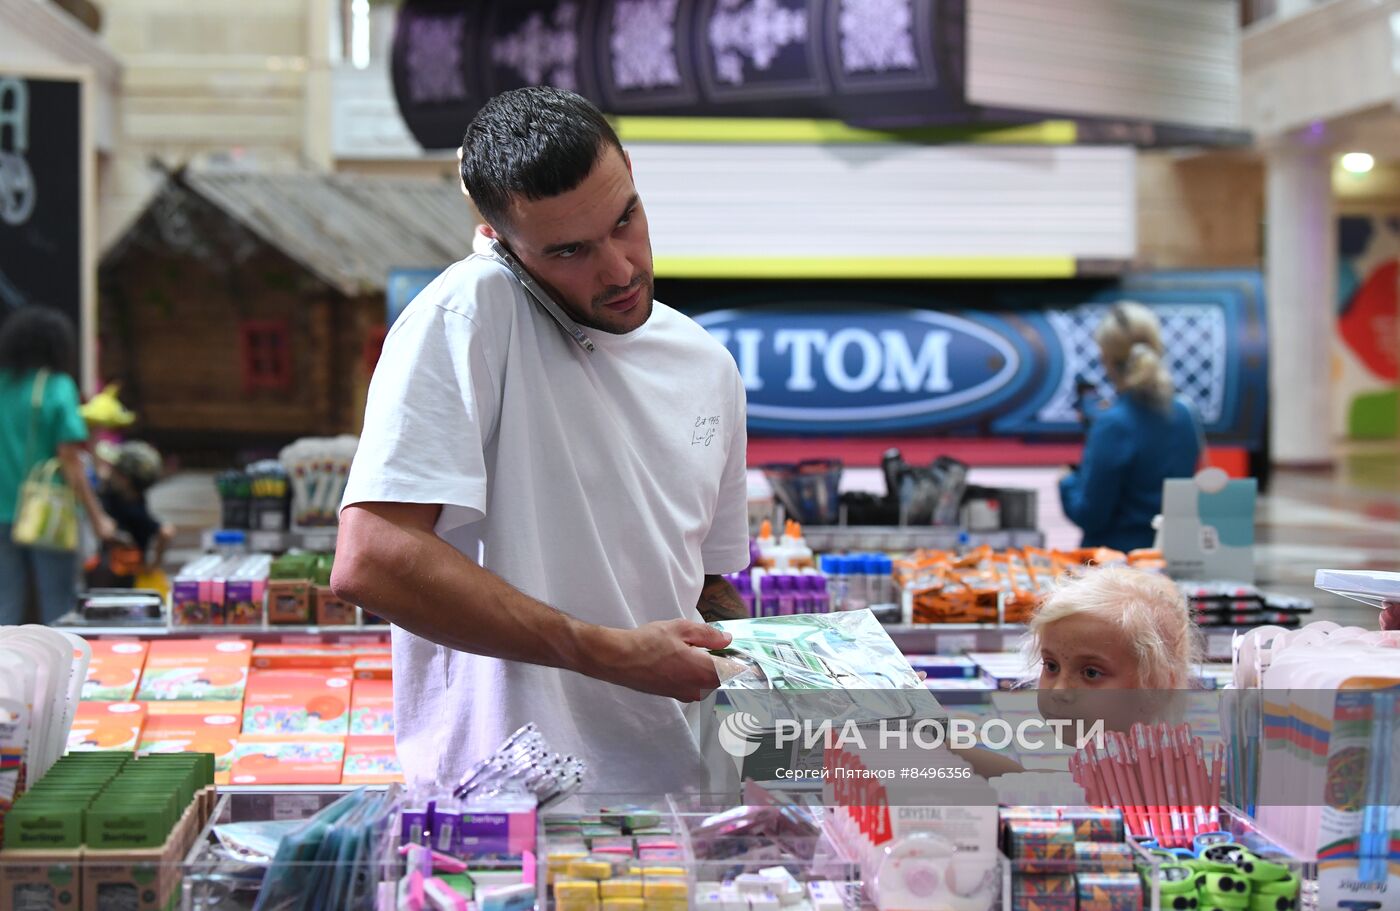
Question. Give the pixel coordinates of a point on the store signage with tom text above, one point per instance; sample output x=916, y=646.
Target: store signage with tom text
x=995, y=360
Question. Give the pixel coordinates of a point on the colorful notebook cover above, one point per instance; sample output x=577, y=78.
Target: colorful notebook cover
x=371, y=760
x=114, y=671
x=294, y=703
x=372, y=708
x=106, y=726
x=195, y=670
x=260, y=759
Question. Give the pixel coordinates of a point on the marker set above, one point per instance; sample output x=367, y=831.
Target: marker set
x=523, y=763
x=1166, y=781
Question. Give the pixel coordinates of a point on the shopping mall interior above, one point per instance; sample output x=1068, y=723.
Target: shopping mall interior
x=453, y=451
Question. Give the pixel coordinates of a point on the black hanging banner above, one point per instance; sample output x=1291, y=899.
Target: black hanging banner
x=41, y=186
x=870, y=63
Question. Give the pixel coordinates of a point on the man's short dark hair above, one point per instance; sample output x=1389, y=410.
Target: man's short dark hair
x=534, y=143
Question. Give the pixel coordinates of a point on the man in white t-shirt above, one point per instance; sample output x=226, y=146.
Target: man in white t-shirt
x=545, y=518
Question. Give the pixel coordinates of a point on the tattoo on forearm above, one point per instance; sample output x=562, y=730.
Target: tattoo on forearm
x=719, y=601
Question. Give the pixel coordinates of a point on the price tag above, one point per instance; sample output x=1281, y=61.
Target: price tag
x=266, y=541
x=294, y=806
x=1220, y=646
x=322, y=541
x=956, y=643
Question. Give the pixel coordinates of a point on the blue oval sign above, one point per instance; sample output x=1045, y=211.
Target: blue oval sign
x=866, y=369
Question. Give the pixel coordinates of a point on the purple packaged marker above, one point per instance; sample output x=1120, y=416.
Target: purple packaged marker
x=769, y=604
x=786, y=595
x=743, y=584
x=413, y=826
x=799, y=595
x=447, y=822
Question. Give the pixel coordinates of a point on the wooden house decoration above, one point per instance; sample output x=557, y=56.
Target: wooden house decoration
x=248, y=308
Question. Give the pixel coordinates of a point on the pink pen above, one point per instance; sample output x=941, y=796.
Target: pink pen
x=1185, y=763
x=1163, y=767
x=1103, y=776
x=1152, y=775
x=1140, y=761
x=1115, y=778
x=1108, y=790
x=1132, y=815
x=1171, y=761
x=1213, y=793
x=1198, y=771
x=1093, y=789
x=1130, y=760
x=1076, y=774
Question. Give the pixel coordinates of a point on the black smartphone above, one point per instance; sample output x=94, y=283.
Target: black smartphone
x=541, y=297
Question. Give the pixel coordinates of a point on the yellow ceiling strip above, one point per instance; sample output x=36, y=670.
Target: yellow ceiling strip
x=866, y=267
x=820, y=132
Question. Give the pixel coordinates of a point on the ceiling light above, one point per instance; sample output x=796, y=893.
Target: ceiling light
x=1358, y=162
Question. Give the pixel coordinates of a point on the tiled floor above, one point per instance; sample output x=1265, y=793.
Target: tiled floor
x=1348, y=518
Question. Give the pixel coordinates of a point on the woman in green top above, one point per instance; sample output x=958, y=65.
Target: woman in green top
x=34, y=339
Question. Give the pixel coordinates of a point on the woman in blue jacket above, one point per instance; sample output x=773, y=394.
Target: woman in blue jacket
x=1144, y=437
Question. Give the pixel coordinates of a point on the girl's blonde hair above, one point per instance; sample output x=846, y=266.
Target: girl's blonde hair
x=1147, y=607
x=1130, y=340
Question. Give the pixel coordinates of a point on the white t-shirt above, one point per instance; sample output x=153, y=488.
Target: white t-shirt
x=605, y=484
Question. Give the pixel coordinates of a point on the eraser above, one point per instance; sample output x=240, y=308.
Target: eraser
x=731, y=899
x=665, y=889
x=784, y=884
x=763, y=901
x=825, y=896
x=621, y=887
x=518, y=897
x=623, y=903
x=575, y=890
x=752, y=883
x=707, y=897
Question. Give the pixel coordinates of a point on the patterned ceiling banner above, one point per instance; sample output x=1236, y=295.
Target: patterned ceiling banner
x=1001, y=359
x=872, y=63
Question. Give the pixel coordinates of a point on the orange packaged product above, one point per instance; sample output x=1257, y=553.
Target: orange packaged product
x=309, y=759
x=195, y=676
x=114, y=671
x=1019, y=584
x=1038, y=558
x=956, y=602
x=1148, y=560
x=931, y=604
x=371, y=760
x=301, y=656
x=975, y=558
x=919, y=576
x=1107, y=556
x=295, y=703
x=106, y=726
x=374, y=667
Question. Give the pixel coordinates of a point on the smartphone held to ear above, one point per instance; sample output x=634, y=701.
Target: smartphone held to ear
x=541, y=297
